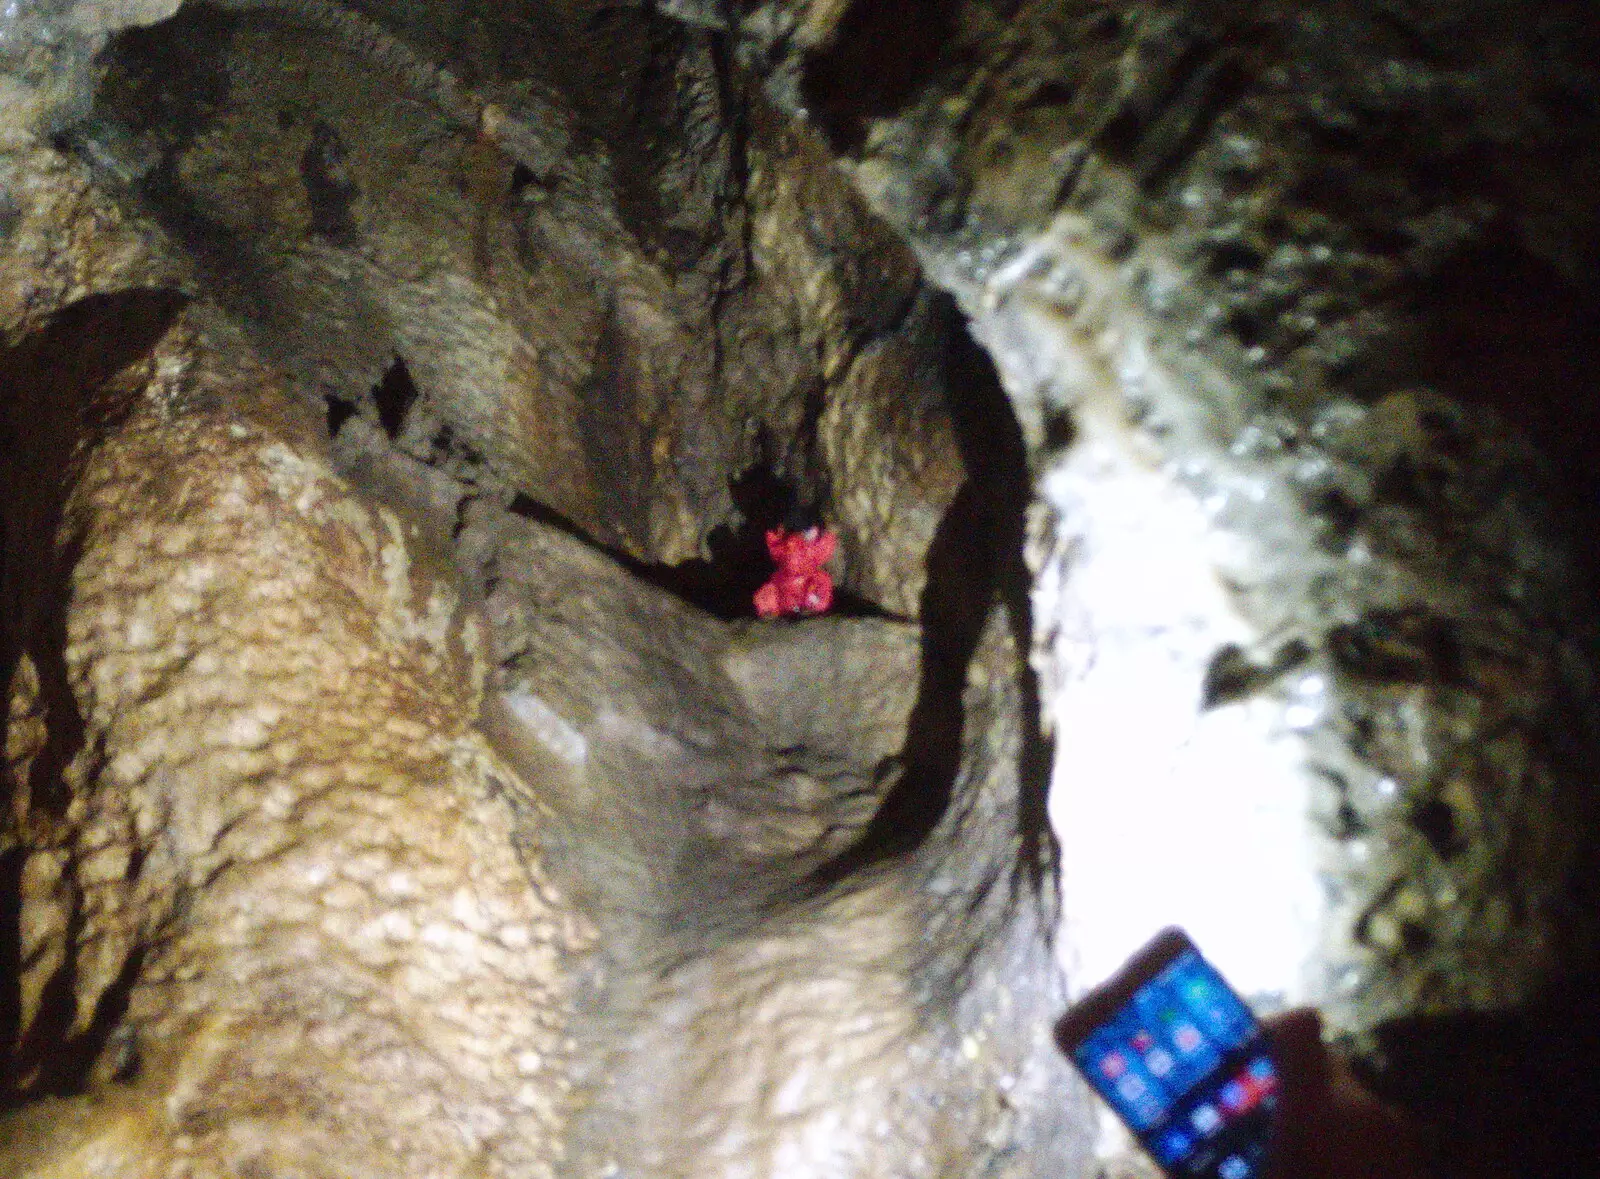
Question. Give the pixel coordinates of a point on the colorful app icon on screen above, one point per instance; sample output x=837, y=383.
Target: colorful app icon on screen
x=1205, y=1119
x=1146, y=1110
x=1243, y=1094
x=1181, y=1059
x=1234, y=1167
x=1174, y=1145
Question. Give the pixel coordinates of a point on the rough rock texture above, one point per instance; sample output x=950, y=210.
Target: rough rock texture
x=583, y=305
x=320, y=321
x=1214, y=295
x=817, y=850
x=281, y=907
x=264, y=880
x=727, y=779
x=47, y=48
x=1296, y=552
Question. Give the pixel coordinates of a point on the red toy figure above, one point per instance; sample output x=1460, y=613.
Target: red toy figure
x=801, y=585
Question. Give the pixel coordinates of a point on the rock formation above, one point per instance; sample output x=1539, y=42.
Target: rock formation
x=393, y=400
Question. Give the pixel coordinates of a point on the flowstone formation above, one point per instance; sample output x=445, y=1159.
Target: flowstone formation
x=395, y=397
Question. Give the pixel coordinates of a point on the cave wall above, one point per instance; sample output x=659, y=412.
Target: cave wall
x=395, y=398
x=472, y=386
x=1311, y=556
x=1222, y=260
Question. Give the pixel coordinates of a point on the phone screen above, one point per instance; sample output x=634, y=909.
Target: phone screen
x=1185, y=1064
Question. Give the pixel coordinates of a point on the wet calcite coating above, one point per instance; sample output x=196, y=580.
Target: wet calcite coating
x=305, y=911
x=1222, y=259
x=1294, y=323
x=1234, y=269
x=267, y=908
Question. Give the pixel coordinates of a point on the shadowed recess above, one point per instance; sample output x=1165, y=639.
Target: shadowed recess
x=974, y=561
x=59, y=379
x=878, y=58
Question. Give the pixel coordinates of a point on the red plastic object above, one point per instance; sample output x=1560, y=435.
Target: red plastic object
x=801, y=585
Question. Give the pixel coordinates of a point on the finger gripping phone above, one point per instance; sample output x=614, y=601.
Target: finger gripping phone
x=1181, y=1059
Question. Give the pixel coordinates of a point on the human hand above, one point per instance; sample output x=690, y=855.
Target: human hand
x=1329, y=1126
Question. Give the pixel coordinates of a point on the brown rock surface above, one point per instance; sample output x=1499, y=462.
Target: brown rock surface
x=280, y=907
x=393, y=397
x=264, y=868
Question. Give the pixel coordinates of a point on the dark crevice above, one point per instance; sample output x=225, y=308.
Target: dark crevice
x=1435, y=821
x=960, y=588
x=1157, y=135
x=51, y=378
x=79, y=1059
x=531, y=509
x=523, y=177
x=1221, y=257
x=1232, y=675
x=724, y=584
x=11, y=863
x=62, y=1063
x=1507, y=1093
x=974, y=563
x=47, y=790
x=394, y=396
x=60, y=380
x=1059, y=432
x=340, y=411
x=45, y=1054
x=330, y=189
x=1509, y=333
x=1399, y=646
x=172, y=74
x=49, y=1060
x=1361, y=931
x=880, y=56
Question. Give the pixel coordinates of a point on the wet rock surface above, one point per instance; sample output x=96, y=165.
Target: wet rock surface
x=394, y=397
x=1231, y=265
x=47, y=50
x=550, y=289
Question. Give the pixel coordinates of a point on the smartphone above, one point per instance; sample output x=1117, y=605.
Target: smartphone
x=1181, y=1059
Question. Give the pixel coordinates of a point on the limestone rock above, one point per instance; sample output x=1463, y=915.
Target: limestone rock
x=46, y=47
x=277, y=860
x=276, y=886
x=1311, y=604
x=391, y=375
x=608, y=326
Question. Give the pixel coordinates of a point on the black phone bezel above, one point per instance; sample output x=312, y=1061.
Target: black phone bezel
x=1103, y=1002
